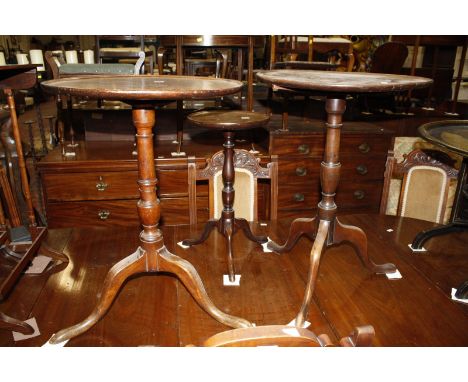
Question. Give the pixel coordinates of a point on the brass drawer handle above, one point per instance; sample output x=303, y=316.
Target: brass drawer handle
x=364, y=148
x=361, y=169
x=301, y=171
x=359, y=194
x=103, y=214
x=101, y=185
x=303, y=149
x=298, y=197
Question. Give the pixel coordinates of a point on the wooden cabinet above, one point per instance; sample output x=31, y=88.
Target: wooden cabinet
x=363, y=153
x=99, y=186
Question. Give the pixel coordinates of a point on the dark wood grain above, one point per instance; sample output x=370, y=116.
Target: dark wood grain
x=143, y=87
x=414, y=311
x=342, y=82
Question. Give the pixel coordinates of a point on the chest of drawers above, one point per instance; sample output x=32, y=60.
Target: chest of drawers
x=363, y=152
x=98, y=186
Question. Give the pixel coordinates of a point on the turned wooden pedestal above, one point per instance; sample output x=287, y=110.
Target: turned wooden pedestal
x=325, y=228
x=143, y=93
x=229, y=122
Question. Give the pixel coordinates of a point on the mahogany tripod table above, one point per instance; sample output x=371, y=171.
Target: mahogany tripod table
x=144, y=93
x=229, y=122
x=325, y=227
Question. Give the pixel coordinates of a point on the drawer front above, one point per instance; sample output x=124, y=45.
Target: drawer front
x=120, y=213
x=90, y=186
x=298, y=146
x=358, y=168
x=297, y=196
x=92, y=213
x=351, y=194
x=109, y=185
x=306, y=170
x=364, y=194
x=364, y=145
x=298, y=171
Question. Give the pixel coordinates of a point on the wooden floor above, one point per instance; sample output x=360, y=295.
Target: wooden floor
x=157, y=310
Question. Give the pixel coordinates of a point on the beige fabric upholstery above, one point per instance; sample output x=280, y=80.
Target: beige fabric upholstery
x=416, y=201
x=404, y=145
x=244, y=186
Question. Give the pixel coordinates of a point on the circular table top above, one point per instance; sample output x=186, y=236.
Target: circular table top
x=451, y=134
x=143, y=88
x=342, y=82
x=228, y=120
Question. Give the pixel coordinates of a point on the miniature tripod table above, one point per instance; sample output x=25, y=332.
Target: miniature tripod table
x=228, y=122
x=325, y=228
x=144, y=93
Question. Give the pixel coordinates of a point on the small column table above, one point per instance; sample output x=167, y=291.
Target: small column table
x=453, y=135
x=228, y=122
x=144, y=93
x=325, y=228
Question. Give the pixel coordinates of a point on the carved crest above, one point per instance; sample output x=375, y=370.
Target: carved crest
x=242, y=159
x=420, y=158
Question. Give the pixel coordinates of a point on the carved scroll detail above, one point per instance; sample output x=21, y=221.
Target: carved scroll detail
x=420, y=158
x=242, y=159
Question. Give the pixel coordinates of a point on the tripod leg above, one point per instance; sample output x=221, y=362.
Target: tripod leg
x=315, y=255
x=245, y=226
x=209, y=226
x=299, y=227
x=10, y=323
x=192, y=281
x=132, y=264
x=358, y=238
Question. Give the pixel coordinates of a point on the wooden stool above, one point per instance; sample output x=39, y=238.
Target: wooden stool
x=229, y=122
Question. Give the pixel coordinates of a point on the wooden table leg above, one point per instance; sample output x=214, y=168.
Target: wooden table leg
x=329, y=179
x=152, y=255
x=10, y=323
x=227, y=224
x=315, y=255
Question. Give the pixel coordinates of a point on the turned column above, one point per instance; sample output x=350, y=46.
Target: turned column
x=228, y=174
x=331, y=166
x=149, y=210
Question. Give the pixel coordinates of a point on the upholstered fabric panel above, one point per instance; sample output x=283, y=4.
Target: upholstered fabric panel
x=404, y=145
x=423, y=196
x=244, y=186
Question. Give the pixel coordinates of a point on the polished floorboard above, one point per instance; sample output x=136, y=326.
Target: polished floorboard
x=157, y=310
